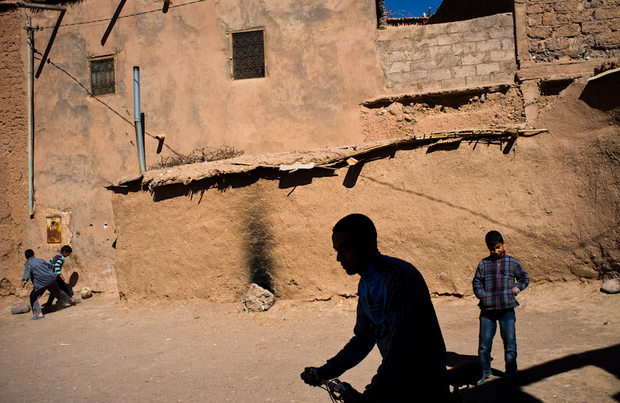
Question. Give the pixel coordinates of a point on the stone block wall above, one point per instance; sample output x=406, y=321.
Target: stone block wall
x=575, y=29
x=427, y=58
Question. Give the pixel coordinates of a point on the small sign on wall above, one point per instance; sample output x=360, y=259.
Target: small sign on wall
x=53, y=229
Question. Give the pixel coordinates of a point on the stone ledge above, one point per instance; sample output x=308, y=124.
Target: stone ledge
x=551, y=71
x=465, y=90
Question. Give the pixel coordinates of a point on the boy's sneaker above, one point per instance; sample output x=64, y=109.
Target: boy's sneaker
x=484, y=378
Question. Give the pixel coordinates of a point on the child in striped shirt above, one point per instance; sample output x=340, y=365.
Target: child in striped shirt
x=56, y=262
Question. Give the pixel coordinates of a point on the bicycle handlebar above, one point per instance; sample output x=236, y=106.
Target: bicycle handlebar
x=337, y=390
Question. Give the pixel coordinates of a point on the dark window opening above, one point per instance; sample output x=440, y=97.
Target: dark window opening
x=102, y=76
x=248, y=54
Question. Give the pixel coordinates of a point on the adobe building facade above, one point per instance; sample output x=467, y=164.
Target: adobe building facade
x=324, y=73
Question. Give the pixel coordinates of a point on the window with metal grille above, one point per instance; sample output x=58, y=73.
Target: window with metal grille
x=102, y=76
x=248, y=54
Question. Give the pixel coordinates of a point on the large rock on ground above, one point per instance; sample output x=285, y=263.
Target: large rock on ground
x=611, y=286
x=258, y=299
x=20, y=307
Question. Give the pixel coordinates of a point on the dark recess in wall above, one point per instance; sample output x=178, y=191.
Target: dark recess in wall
x=258, y=244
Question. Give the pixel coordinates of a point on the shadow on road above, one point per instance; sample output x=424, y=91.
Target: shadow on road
x=499, y=390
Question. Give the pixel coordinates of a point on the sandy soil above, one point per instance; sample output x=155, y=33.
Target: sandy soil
x=105, y=351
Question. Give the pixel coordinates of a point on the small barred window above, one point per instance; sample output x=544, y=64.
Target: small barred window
x=102, y=76
x=248, y=54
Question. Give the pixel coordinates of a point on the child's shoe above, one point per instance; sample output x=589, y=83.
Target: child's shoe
x=483, y=379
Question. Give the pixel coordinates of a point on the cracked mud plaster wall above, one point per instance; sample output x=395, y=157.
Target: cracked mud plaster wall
x=553, y=196
x=13, y=152
x=321, y=64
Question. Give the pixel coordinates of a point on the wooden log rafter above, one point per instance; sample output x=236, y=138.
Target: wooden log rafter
x=325, y=158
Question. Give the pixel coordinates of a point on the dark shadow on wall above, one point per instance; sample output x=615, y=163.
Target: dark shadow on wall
x=73, y=279
x=355, y=171
x=222, y=183
x=300, y=177
x=498, y=390
x=196, y=188
x=444, y=146
x=558, y=244
x=258, y=246
x=452, y=205
x=602, y=93
x=303, y=177
x=504, y=144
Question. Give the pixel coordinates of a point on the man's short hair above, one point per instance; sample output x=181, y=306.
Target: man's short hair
x=493, y=238
x=66, y=249
x=29, y=253
x=361, y=227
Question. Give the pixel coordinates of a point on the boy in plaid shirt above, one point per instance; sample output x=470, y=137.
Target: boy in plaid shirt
x=498, y=280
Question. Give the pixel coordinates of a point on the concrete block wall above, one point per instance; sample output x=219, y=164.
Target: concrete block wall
x=575, y=29
x=426, y=58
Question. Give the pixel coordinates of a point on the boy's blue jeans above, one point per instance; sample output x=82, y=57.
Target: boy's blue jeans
x=488, y=327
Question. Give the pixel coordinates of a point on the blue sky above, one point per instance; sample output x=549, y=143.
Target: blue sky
x=415, y=8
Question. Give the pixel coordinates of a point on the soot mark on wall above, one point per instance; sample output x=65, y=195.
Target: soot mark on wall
x=258, y=247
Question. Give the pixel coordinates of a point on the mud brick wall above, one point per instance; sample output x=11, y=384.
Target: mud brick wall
x=13, y=149
x=425, y=58
x=577, y=29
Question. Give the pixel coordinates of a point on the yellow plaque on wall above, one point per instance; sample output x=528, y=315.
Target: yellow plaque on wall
x=53, y=230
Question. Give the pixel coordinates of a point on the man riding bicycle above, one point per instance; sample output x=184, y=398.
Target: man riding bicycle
x=395, y=312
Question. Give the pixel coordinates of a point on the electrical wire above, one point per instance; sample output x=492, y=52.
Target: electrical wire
x=99, y=100
x=125, y=16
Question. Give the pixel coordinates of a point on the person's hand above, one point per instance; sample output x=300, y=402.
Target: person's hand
x=516, y=291
x=311, y=376
x=353, y=396
x=23, y=284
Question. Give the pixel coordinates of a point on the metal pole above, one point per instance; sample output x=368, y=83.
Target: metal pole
x=30, y=31
x=54, y=31
x=30, y=118
x=137, y=117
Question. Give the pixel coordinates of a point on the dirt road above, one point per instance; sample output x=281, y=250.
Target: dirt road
x=105, y=351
